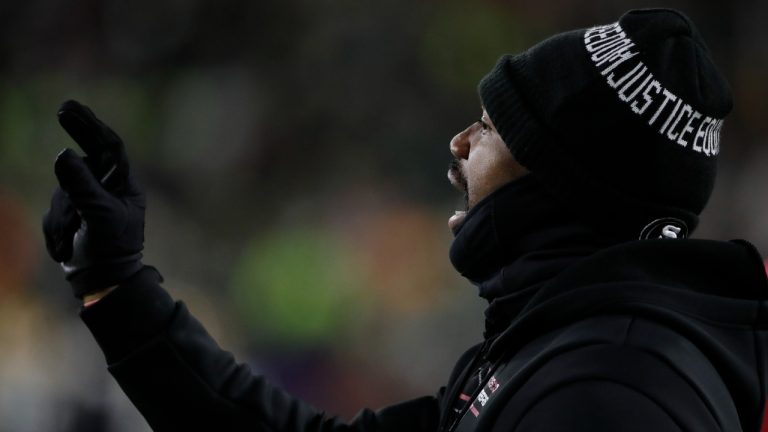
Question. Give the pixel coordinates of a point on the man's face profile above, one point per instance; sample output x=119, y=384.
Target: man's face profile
x=482, y=163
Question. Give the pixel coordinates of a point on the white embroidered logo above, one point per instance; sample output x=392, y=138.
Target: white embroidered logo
x=670, y=231
x=665, y=228
x=482, y=398
x=613, y=52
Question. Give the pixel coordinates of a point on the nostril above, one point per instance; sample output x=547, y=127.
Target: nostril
x=460, y=146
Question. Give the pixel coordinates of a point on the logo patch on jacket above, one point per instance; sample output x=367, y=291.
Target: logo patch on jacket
x=484, y=396
x=665, y=228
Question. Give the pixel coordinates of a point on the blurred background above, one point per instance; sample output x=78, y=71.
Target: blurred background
x=294, y=156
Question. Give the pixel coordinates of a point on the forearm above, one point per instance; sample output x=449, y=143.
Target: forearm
x=172, y=370
x=179, y=378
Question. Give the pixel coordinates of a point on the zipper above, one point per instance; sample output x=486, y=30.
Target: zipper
x=459, y=386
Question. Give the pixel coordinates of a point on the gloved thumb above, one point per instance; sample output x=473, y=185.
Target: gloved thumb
x=60, y=223
x=77, y=180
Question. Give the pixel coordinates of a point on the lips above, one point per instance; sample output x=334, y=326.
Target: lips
x=456, y=220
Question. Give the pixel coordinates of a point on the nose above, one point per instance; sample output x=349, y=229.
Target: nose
x=460, y=144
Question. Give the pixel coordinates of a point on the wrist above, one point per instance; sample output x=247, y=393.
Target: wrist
x=92, y=298
x=90, y=279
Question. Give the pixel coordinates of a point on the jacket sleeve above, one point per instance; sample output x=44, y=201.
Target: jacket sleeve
x=180, y=379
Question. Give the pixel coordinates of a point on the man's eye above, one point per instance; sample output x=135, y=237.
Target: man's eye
x=483, y=124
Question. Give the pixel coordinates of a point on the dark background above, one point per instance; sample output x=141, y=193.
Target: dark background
x=294, y=155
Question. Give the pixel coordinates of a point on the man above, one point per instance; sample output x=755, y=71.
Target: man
x=593, y=157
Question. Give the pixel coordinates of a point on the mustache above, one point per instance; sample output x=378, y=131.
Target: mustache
x=455, y=168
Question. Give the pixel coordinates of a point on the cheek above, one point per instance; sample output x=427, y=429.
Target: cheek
x=479, y=166
x=487, y=169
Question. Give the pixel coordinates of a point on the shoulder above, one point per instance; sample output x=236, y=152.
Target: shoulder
x=614, y=373
x=596, y=405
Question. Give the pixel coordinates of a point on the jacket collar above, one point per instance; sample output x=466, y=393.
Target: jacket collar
x=513, y=242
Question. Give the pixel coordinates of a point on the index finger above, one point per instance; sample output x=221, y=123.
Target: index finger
x=103, y=147
x=90, y=133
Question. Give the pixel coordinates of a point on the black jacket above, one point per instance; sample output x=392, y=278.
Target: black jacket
x=607, y=345
x=650, y=335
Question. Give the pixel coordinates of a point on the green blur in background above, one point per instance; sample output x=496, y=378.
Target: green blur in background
x=294, y=156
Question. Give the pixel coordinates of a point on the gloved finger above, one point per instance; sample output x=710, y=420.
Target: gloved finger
x=77, y=180
x=60, y=223
x=105, y=152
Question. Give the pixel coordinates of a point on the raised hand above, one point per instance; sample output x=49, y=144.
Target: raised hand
x=95, y=225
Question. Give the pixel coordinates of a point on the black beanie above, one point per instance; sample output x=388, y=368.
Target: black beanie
x=620, y=121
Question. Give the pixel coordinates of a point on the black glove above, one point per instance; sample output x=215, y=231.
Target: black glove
x=95, y=226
